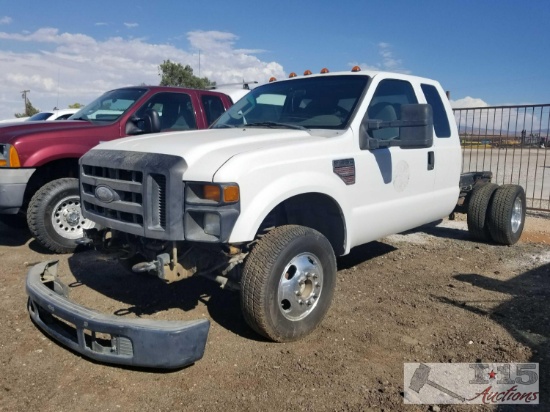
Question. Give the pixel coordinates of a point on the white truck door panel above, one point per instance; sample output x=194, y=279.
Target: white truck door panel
x=394, y=190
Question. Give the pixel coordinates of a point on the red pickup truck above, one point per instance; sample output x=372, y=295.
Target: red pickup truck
x=39, y=160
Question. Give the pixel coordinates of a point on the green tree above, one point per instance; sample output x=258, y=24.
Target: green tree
x=29, y=110
x=175, y=74
x=75, y=106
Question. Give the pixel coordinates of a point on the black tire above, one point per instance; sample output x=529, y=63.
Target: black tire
x=288, y=265
x=506, y=216
x=54, y=215
x=17, y=221
x=478, y=205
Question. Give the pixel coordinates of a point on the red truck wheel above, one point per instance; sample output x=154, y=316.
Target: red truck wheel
x=288, y=282
x=54, y=215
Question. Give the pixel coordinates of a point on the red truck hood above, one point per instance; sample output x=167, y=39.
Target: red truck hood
x=40, y=142
x=10, y=132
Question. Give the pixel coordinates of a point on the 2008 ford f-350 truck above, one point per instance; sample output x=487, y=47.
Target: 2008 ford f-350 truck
x=300, y=171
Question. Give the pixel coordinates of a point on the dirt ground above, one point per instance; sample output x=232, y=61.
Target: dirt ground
x=430, y=295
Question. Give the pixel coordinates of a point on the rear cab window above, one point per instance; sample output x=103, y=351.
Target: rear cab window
x=441, y=121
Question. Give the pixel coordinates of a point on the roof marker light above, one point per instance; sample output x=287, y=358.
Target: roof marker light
x=272, y=79
x=291, y=75
x=307, y=72
x=356, y=69
x=324, y=70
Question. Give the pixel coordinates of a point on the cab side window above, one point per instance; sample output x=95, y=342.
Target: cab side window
x=175, y=110
x=386, y=106
x=213, y=107
x=441, y=122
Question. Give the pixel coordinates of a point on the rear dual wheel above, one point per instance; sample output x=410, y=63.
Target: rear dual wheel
x=506, y=216
x=497, y=213
x=478, y=208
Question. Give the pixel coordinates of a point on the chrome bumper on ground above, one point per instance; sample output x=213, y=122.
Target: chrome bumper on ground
x=109, y=338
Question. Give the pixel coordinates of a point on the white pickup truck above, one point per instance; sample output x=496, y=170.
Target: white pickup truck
x=298, y=172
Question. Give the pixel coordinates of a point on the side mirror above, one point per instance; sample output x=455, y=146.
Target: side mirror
x=415, y=129
x=151, y=120
x=149, y=123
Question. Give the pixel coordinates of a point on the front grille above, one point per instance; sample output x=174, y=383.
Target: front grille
x=111, y=173
x=127, y=203
x=158, y=199
x=138, y=193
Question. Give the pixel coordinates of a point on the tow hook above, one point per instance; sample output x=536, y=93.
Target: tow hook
x=164, y=268
x=84, y=241
x=97, y=238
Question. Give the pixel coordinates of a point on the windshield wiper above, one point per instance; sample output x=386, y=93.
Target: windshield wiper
x=83, y=117
x=223, y=125
x=276, y=125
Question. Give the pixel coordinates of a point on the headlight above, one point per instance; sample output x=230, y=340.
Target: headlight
x=212, y=224
x=211, y=210
x=212, y=193
x=9, y=156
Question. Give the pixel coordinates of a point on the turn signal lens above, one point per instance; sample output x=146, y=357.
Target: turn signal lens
x=14, y=158
x=231, y=194
x=211, y=192
x=9, y=156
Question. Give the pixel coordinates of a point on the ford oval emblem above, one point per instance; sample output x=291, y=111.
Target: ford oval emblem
x=105, y=194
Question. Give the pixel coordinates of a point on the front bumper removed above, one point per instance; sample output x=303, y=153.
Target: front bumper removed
x=109, y=338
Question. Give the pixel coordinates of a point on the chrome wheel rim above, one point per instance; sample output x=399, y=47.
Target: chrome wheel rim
x=517, y=215
x=300, y=286
x=67, y=219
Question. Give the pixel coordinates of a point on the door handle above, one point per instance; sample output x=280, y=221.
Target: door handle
x=431, y=160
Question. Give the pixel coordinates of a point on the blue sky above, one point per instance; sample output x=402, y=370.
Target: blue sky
x=484, y=52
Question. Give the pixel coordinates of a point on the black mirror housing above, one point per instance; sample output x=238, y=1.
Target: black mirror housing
x=151, y=121
x=415, y=129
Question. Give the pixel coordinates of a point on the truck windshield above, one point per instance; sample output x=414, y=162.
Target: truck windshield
x=110, y=106
x=323, y=102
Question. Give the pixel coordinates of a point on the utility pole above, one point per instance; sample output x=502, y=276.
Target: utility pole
x=24, y=96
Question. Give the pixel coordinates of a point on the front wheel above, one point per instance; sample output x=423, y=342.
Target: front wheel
x=288, y=282
x=54, y=215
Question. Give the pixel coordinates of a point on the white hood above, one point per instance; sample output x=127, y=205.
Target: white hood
x=205, y=151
